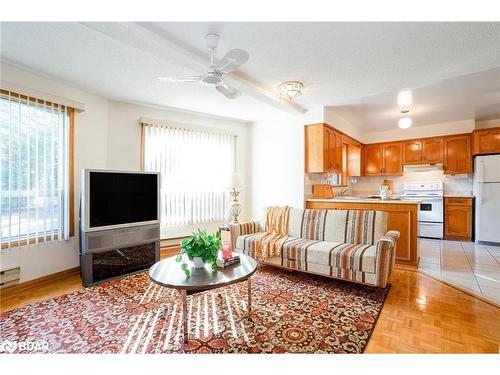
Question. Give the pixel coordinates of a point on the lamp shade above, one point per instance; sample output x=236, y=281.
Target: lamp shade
x=235, y=181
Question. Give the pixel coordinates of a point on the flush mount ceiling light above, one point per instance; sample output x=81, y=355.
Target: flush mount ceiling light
x=405, y=99
x=291, y=89
x=405, y=122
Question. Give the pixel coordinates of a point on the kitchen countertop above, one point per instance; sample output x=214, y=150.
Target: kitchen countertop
x=458, y=195
x=364, y=200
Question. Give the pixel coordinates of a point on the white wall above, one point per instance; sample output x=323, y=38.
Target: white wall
x=493, y=123
x=433, y=130
x=338, y=122
x=277, y=163
x=107, y=136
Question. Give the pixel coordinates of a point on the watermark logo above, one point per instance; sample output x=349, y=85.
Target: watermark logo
x=24, y=346
x=8, y=346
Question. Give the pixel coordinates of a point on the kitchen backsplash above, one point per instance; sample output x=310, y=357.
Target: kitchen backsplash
x=453, y=184
x=311, y=179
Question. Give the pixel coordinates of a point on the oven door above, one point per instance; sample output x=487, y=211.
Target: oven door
x=431, y=210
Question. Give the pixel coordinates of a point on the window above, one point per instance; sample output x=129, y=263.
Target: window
x=36, y=148
x=196, y=168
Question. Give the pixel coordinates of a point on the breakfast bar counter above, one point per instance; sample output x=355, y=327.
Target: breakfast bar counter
x=352, y=199
x=402, y=216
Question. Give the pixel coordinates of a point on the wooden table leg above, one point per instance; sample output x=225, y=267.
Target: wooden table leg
x=184, y=316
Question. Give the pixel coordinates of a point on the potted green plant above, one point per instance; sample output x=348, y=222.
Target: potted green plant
x=200, y=248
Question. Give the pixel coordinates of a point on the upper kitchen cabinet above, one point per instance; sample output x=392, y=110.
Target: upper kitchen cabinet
x=412, y=152
x=486, y=141
x=457, y=154
x=383, y=159
x=373, y=160
x=323, y=149
x=353, y=160
x=432, y=150
x=392, y=159
x=423, y=151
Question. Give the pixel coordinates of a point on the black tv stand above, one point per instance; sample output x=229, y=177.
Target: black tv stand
x=114, y=253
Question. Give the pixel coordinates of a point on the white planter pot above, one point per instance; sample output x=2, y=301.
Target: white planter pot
x=198, y=262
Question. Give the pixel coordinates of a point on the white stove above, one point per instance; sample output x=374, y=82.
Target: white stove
x=431, y=207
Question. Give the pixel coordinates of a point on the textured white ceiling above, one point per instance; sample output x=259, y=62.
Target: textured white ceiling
x=471, y=96
x=339, y=63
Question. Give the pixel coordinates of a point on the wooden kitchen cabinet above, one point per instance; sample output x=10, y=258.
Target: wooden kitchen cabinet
x=423, y=151
x=486, y=141
x=457, y=154
x=353, y=160
x=412, y=152
x=392, y=159
x=323, y=149
x=383, y=159
x=373, y=160
x=432, y=150
x=458, y=218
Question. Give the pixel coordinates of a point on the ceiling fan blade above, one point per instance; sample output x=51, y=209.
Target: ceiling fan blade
x=180, y=79
x=228, y=91
x=232, y=60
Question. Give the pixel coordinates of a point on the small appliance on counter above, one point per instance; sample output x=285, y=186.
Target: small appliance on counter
x=430, y=209
x=384, y=192
x=323, y=191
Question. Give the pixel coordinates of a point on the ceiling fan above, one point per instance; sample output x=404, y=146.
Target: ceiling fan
x=213, y=77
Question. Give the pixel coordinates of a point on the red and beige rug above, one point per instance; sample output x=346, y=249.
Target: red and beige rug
x=291, y=313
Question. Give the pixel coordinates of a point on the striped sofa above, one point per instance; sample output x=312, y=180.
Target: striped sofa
x=350, y=245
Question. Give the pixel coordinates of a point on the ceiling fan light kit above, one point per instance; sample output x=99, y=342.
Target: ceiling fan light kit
x=213, y=77
x=291, y=89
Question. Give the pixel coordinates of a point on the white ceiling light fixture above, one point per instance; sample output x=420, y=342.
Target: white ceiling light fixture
x=405, y=99
x=404, y=122
x=291, y=89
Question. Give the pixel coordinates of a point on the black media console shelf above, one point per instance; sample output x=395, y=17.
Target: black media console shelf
x=106, y=255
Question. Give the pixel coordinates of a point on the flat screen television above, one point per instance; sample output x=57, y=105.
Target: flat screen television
x=118, y=199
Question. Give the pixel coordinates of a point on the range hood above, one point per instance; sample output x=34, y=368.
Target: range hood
x=423, y=167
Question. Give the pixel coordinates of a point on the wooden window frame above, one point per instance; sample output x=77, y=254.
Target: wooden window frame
x=71, y=145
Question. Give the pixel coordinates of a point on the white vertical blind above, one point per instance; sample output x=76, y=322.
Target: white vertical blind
x=196, y=168
x=34, y=170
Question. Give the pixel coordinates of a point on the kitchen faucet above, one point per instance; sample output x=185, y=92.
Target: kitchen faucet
x=343, y=191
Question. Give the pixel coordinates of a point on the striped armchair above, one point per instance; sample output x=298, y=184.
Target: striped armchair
x=350, y=245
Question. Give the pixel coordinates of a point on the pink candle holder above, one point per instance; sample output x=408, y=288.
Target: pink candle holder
x=227, y=250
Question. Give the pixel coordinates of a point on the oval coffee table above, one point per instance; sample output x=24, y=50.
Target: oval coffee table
x=168, y=273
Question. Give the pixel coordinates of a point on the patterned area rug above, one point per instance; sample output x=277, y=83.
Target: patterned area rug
x=291, y=313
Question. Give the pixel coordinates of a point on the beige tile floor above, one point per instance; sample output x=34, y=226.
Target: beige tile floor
x=467, y=265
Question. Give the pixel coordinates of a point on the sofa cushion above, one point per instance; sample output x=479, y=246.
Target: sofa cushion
x=357, y=257
x=349, y=226
x=361, y=227
x=246, y=243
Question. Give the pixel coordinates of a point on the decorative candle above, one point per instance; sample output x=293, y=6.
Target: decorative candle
x=227, y=250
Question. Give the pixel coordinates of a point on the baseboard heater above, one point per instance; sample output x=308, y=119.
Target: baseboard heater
x=9, y=276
